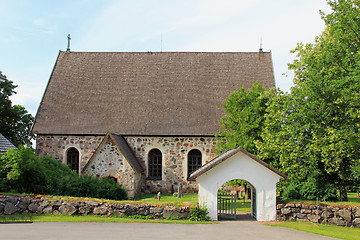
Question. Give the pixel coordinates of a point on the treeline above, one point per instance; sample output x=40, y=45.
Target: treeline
x=22, y=171
x=312, y=134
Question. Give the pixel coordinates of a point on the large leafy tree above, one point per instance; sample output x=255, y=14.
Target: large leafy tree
x=312, y=134
x=245, y=110
x=15, y=121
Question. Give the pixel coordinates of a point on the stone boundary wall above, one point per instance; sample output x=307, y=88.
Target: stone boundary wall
x=22, y=205
x=340, y=216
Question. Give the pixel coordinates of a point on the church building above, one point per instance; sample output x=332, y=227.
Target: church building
x=146, y=120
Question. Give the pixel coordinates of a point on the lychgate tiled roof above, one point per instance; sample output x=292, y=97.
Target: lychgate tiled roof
x=5, y=144
x=168, y=93
x=226, y=155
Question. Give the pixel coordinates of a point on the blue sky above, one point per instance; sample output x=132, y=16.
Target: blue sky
x=33, y=32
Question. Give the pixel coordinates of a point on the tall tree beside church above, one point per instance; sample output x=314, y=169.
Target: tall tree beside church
x=15, y=121
x=313, y=132
x=243, y=124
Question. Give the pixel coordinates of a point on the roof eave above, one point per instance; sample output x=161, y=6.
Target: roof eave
x=221, y=158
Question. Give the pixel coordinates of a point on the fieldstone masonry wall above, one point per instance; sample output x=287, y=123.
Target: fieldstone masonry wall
x=21, y=205
x=174, y=150
x=56, y=146
x=110, y=162
x=339, y=216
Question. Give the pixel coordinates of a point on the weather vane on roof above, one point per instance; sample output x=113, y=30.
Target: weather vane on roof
x=68, y=46
x=261, y=48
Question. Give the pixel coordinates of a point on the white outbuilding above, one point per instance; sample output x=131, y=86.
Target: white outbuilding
x=239, y=164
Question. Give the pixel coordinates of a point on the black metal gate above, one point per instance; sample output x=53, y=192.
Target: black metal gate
x=227, y=206
x=253, y=202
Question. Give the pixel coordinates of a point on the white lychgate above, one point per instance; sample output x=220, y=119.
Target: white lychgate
x=239, y=164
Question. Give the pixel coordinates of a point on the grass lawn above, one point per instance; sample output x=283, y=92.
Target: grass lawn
x=186, y=198
x=354, y=201
x=325, y=230
x=90, y=218
x=240, y=207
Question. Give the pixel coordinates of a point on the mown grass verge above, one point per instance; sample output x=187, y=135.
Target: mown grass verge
x=354, y=201
x=324, y=230
x=89, y=218
x=186, y=198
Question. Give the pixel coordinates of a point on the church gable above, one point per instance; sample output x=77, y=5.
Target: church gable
x=113, y=158
x=112, y=154
x=107, y=161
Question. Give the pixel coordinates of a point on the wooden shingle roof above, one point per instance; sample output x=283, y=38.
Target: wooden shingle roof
x=167, y=93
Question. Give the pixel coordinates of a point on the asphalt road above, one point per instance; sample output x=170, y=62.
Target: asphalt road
x=108, y=231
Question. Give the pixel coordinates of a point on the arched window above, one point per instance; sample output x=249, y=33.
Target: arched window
x=73, y=159
x=155, y=164
x=194, y=161
x=114, y=179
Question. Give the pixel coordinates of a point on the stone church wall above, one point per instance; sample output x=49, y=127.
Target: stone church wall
x=56, y=146
x=110, y=162
x=174, y=152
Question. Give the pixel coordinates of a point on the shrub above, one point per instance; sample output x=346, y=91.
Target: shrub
x=199, y=214
x=291, y=192
x=22, y=171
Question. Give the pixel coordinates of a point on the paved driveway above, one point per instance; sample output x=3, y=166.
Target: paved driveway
x=133, y=231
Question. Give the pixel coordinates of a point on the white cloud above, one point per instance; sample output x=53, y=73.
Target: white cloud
x=39, y=21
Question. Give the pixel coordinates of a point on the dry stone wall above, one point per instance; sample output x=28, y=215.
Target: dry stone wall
x=340, y=216
x=20, y=205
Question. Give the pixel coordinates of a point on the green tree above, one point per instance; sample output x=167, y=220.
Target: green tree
x=312, y=134
x=356, y=174
x=244, y=119
x=20, y=170
x=15, y=121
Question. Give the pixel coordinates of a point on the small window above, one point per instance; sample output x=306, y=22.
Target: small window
x=114, y=179
x=73, y=159
x=155, y=164
x=194, y=161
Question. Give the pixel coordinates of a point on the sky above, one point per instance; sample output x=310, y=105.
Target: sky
x=33, y=32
